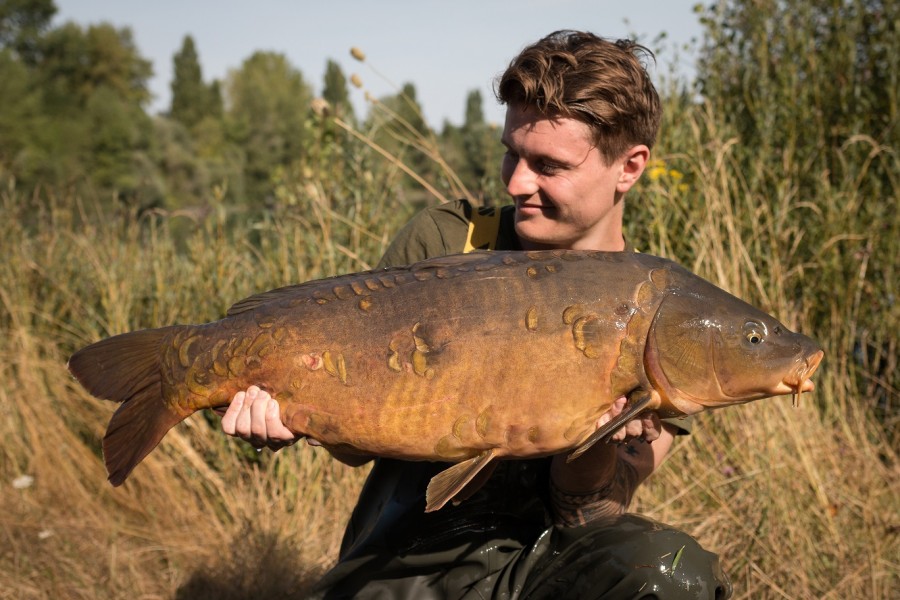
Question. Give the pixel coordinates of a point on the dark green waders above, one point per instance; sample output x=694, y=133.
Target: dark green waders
x=497, y=545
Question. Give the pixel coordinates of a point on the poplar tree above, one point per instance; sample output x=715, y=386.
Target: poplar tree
x=473, y=150
x=191, y=99
x=335, y=91
x=475, y=140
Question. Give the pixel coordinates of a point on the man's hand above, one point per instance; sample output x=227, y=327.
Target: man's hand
x=602, y=481
x=646, y=427
x=255, y=417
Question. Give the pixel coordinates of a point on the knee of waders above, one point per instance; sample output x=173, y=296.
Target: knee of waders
x=629, y=557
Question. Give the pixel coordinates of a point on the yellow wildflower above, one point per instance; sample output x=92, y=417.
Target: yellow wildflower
x=656, y=169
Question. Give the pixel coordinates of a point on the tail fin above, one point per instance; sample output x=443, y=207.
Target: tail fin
x=126, y=368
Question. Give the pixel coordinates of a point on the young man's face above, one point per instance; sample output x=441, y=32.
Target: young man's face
x=566, y=195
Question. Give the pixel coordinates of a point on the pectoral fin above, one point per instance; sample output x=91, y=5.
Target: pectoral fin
x=636, y=404
x=448, y=483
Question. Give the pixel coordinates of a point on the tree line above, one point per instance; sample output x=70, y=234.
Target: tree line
x=815, y=82
x=73, y=118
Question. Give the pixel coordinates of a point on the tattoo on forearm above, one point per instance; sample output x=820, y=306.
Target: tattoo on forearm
x=571, y=509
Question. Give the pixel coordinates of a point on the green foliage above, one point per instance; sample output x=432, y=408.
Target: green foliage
x=19, y=104
x=22, y=22
x=474, y=151
x=336, y=93
x=808, y=93
x=397, y=124
x=118, y=148
x=267, y=107
x=74, y=62
x=193, y=152
x=74, y=115
x=215, y=106
x=192, y=100
x=810, y=76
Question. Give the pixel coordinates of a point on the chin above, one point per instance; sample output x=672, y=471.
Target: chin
x=541, y=234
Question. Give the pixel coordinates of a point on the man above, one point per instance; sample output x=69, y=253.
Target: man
x=582, y=116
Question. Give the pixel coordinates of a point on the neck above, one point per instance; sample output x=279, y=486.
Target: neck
x=605, y=244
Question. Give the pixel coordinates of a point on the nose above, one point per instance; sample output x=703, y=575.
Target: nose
x=519, y=178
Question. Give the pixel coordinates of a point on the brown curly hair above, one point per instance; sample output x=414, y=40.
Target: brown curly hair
x=601, y=82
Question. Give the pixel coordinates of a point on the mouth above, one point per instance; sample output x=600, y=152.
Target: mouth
x=799, y=381
x=533, y=207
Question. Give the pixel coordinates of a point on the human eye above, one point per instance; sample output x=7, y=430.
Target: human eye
x=545, y=167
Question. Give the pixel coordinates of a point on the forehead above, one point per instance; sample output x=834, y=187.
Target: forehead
x=528, y=128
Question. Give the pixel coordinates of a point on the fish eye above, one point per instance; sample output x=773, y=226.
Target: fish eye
x=754, y=332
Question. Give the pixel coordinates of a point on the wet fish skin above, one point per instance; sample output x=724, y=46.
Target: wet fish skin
x=466, y=358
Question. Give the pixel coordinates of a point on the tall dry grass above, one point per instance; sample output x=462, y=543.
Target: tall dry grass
x=206, y=518
x=799, y=503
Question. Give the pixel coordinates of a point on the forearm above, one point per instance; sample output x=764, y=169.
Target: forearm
x=603, y=481
x=579, y=496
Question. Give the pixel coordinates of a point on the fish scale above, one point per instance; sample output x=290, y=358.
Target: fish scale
x=466, y=358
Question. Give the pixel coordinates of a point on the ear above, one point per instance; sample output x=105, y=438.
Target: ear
x=632, y=166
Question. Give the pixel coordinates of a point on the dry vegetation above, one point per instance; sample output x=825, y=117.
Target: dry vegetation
x=799, y=502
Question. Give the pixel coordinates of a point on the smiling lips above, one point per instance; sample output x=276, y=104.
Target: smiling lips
x=533, y=207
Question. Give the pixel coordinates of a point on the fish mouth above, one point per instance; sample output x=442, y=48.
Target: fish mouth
x=798, y=381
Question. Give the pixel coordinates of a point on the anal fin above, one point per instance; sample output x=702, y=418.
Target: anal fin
x=444, y=486
x=636, y=404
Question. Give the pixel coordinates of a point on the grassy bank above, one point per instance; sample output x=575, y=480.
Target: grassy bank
x=800, y=503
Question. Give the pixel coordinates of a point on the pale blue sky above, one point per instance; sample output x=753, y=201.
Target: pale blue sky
x=445, y=48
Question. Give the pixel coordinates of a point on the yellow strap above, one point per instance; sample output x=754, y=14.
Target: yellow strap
x=483, y=228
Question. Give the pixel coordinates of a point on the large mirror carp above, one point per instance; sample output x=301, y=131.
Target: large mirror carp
x=467, y=358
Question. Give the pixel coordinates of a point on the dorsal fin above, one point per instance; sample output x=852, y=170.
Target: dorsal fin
x=455, y=260
x=256, y=300
x=448, y=483
x=307, y=289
